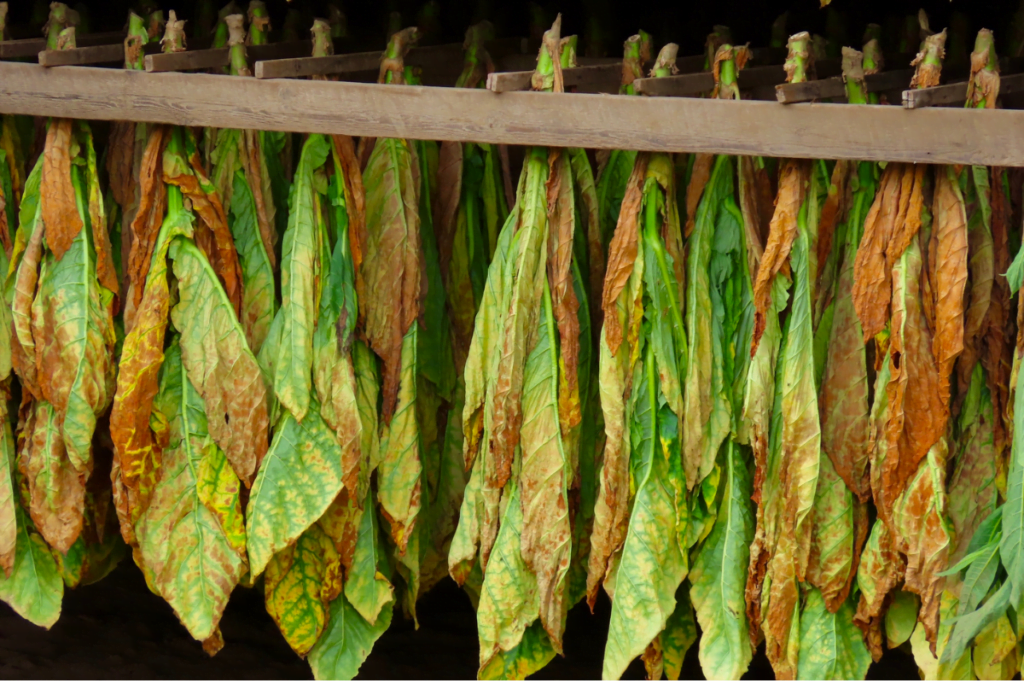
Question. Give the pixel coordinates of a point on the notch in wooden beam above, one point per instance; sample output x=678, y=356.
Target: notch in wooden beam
x=827, y=88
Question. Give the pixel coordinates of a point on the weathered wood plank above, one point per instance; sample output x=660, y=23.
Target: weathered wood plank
x=193, y=60
x=789, y=93
x=30, y=47
x=596, y=78
x=836, y=131
x=955, y=93
x=79, y=56
x=689, y=85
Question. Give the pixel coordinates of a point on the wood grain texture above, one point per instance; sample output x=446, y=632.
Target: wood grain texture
x=30, y=47
x=828, y=131
x=96, y=54
x=193, y=60
x=956, y=93
x=598, y=78
x=790, y=93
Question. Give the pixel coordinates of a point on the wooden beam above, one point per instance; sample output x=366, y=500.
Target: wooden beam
x=96, y=54
x=830, y=131
x=193, y=60
x=690, y=85
x=590, y=79
x=30, y=47
x=955, y=93
x=789, y=93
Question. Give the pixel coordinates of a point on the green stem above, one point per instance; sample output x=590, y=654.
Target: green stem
x=853, y=75
x=259, y=23
x=137, y=37
x=796, y=65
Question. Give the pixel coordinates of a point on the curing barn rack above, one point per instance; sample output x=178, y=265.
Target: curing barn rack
x=776, y=120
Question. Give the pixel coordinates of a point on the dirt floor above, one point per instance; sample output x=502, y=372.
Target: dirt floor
x=118, y=629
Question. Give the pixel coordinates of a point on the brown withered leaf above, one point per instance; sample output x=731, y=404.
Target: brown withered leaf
x=355, y=197
x=57, y=193
x=23, y=353
x=783, y=607
x=699, y=177
x=446, y=210
x=917, y=417
x=950, y=230
x=5, y=232
x=928, y=61
x=995, y=345
x=780, y=240
x=148, y=219
x=106, y=272
x=561, y=225
x=880, y=571
x=121, y=161
x=831, y=212
x=622, y=252
x=754, y=213
x=56, y=490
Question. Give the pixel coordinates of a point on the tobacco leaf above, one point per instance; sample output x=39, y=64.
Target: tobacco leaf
x=106, y=271
x=56, y=491
x=297, y=583
x=256, y=265
x=8, y=497
x=121, y=162
x=34, y=588
x=699, y=177
x=756, y=211
x=831, y=649
x=301, y=271
x=979, y=203
x=446, y=209
x=917, y=416
x=219, y=363
x=366, y=588
x=590, y=212
x=561, y=211
x=872, y=274
x=832, y=211
x=654, y=560
x=546, y=546
x=296, y=483
x=393, y=269
x=781, y=235
x=718, y=575
x=997, y=338
x=191, y=537
x=58, y=195
x=679, y=635
x=346, y=642
x=257, y=178
x=622, y=252
x=25, y=282
x=147, y=221
x=950, y=230
x=840, y=529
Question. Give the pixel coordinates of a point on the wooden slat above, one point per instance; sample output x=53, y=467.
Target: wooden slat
x=689, y=85
x=956, y=93
x=592, y=79
x=829, y=131
x=97, y=54
x=30, y=47
x=789, y=93
x=193, y=60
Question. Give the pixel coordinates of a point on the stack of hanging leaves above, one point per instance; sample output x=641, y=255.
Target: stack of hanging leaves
x=527, y=370
x=189, y=421
x=57, y=315
x=640, y=549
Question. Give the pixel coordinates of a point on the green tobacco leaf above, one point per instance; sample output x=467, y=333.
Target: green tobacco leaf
x=191, y=536
x=293, y=363
x=1011, y=548
x=219, y=362
x=901, y=618
x=532, y=654
x=258, y=299
x=653, y=563
x=679, y=635
x=611, y=188
x=34, y=588
x=346, y=642
x=297, y=482
x=718, y=576
x=367, y=589
x=834, y=540
x=970, y=625
x=296, y=581
x=831, y=646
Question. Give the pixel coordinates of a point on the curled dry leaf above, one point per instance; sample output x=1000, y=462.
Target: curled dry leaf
x=622, y=253
x=57, y=194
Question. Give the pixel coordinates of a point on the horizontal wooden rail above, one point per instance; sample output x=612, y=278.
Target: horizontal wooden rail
x=829, y=131
x=956, y=93
x=30, y=47
x=194, y=60
x=96, y=54
x=789, y=93
x=590, y=79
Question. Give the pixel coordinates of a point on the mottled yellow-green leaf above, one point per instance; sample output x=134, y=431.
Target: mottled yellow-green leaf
x=192, y=558
x=299, y=478
x=346, y=642
x=300, y=268
x=219, y=362
x=995, y=651
x=295, y=580
x=34, y=588
x=532, y=654
x=679, y=635
x=718, y=575
x=367, y=589
x=831, y=646
x=8, y=499
x=400, y=469
x=901, y=618
x=653, y=563
x=959, y=668
x=258, y=298
x=835, y=535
